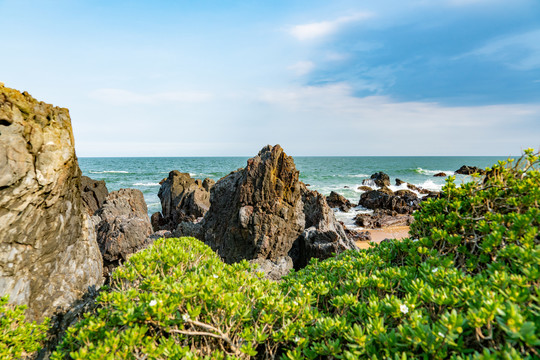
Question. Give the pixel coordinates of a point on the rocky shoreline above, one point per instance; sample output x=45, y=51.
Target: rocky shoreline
x=64, y=233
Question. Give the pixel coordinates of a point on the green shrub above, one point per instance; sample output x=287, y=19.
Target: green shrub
x=18, y=338
x=465, y=286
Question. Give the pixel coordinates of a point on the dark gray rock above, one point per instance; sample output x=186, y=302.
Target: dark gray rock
x=379, y=179
x=336, y=200
x=440, y=174
x=259, y=213
x=182, y=199
x=123, y=228
x=469, y=170
x=383, y=218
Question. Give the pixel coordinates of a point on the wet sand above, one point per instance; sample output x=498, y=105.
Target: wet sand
x=378, y=235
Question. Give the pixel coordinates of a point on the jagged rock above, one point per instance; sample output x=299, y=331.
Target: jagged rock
x=364, y=188
x=441, y=174
x=336, y=200
x=399, y=182
x=182, y=199
x=260, y=211
x=123, y=228
x=417, y=188
x=323, y=234
x=356, y=235
x=382, y=218
x=93, y=193
x=377, y=199
x=379, y=179
x=48, y=250
x=469, y=170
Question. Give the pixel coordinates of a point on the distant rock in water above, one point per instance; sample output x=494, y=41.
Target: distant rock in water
x=335, y=200
x=364, y=188
x=93, y=193
x=260, y=211
x=441, y=174
x=469, y=170
x=49, y=255
x=182, y=199
x=402, y=202
x=123, y=226
x=379, y=179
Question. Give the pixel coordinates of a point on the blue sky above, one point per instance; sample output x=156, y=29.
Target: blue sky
x=207, y=78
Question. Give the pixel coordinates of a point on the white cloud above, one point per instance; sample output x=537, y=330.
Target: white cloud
x=302, y=67
x=125, y=97
x=316, y=30
x=380, y=125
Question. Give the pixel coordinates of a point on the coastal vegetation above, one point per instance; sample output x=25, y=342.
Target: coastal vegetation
x=465, y=285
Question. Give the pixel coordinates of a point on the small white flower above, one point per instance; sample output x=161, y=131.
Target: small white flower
x=404, y=308
x=185, y=317
x=297, y=339
x=435, y=270
x=153, y=303
x=295, y=303
x=441, y=334
x=215, y=276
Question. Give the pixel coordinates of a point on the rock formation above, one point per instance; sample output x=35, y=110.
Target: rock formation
x=123, y=226
x=336, y=200
x=48, y=250
x=182, y=199
x=382, y=218
x=402, y=202
x=94, y=193
x=260, y=211
x=440, y=174
x=379, y=179
x=469, y=170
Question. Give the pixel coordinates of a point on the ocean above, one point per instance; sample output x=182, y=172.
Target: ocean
x=325, y=174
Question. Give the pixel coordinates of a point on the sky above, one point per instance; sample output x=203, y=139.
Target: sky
x=321, y=78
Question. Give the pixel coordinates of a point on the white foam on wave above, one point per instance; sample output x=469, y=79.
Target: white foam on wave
x=192, y=174
x=146, y=184
x=358, y=176
x=433, y=172
x=430, y=185
x=109, y=172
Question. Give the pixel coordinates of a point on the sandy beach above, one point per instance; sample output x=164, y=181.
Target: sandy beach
x=378, y=235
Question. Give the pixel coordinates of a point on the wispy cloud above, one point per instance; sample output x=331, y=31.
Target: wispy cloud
x=320, y=29
x=302, y=67
x=521, y=51
x=125, y=97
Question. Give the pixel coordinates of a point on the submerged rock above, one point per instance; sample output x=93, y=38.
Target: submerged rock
x=49, y=255
x=440, y=174
x=260, y=211
x=123, y=226
x=182, y=199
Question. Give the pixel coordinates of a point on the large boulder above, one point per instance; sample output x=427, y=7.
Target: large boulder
x=123, y=226
x=336, y=200
x=382, y=219
x=93, y=194
x=182, y=199
x=402, y=202
x=379, y=179
x=260, y=211
x=49, y=255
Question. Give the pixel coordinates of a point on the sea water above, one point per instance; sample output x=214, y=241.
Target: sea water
x=324, y=174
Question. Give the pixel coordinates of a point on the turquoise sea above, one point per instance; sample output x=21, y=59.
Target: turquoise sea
x=324, y=174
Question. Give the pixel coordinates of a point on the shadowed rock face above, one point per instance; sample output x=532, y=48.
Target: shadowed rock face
x=48, y=250
x=94, y=193
x=123, y=227
x=265, y=212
